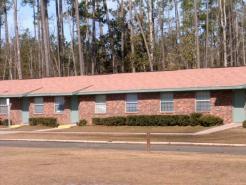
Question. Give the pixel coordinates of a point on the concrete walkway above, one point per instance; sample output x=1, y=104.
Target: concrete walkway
x=218, y=129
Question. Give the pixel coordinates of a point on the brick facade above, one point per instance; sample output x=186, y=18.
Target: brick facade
x=49, y=110
x=16, y=116
x=148, y=104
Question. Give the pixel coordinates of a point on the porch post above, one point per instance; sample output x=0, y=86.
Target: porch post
x=9, y=109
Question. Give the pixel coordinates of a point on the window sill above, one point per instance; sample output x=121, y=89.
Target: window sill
x=166, y=112
x=131, y=112
x=38, y=113
x=59, y=113
x=203, y=111
x=100, y=113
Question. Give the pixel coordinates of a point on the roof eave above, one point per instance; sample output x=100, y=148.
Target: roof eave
x=126, y=91
x=164, y=90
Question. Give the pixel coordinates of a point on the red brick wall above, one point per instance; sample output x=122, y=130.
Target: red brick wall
x=16, y=113
x=149, y=103
x=222, y=105
x=49, y=110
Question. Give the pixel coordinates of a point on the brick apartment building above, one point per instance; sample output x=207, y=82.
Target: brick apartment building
x=217, y=91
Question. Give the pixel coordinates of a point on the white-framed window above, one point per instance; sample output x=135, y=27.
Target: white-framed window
x=59, y=104
x=203, y=103
x=131, y=103
x=167, y=102
x=3, y=106
x=39, y=105
x=100, y=104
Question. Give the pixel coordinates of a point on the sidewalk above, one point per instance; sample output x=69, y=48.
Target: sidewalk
x=128, y=142
x=218, y=129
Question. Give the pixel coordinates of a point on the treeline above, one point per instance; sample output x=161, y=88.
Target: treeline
x=115, y=36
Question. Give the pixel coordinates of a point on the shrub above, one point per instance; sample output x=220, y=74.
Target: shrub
x=82, y=122
x=210, y=120
x=244, y=124
x=140, y=120
x=195, y=119
x=110, y=121
x=144, y=120
x=160, y=120
x=50, y=122
x=182, y=120
x=5, y=122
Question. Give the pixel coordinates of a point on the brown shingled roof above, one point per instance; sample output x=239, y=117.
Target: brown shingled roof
x=191, y=79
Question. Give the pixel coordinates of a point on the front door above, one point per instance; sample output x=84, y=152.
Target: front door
x=74, y=111
x=239, y=113
x=25, y=111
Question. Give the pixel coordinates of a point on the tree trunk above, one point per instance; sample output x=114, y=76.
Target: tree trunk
x=178, y=35
x=197, y=35
x=223, y=23
x=81, y=54
x=151, y=34
x=144, y=37
x=207, y=32
x=8, y=49
x=45, y=34
x=161, y=21
x=40, y=43
x=17, y=42
x=71, y=28
x=58, y=25
x=60, y=36
x=93, y=62
x=243, y=33
x=131, y=38
x=122, y=40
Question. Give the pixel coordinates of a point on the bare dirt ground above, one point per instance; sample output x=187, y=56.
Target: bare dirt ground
x=231, y=136
x=25, y=166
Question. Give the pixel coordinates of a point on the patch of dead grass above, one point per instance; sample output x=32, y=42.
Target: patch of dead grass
x=30, y=166
x=231, y=136
x=98, y=128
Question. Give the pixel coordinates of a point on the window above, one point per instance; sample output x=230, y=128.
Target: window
x=100, y=106
x=203, y=101
x=59, y=104
x=132, y=103
x=3, y=106
x=39, y=105
x=167, y=102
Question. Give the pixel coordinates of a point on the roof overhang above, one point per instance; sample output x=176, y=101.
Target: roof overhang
x=165, y=90
x=81, y=92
